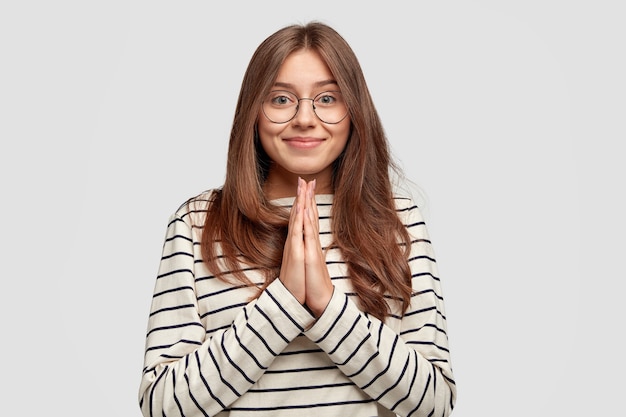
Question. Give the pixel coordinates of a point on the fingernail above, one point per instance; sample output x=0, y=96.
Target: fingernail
x=298, y=190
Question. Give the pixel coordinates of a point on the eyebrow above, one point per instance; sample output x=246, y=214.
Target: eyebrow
x=317, y=84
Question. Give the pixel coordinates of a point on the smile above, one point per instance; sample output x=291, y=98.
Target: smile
x=303, y=143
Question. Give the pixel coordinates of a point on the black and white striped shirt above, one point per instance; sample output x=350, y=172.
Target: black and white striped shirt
x=212, y=352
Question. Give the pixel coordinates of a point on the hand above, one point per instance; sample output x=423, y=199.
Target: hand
x=303, y=271
x=319, y=287
x=292, y=268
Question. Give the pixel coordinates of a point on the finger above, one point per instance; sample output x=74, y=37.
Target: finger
x=315, y=213
x=296, y=225
x=311, y=209
x=313, y=246
x=294, y=246
x=292, y=271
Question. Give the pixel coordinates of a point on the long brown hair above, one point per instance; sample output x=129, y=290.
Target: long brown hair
x=244, y=229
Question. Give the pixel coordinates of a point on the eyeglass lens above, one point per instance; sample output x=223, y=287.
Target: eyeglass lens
x=282, y=106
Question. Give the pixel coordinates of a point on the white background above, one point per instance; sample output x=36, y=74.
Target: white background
x=509, y=116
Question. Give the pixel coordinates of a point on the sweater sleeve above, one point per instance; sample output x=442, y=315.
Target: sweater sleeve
x=408, y=370
x=187, y=373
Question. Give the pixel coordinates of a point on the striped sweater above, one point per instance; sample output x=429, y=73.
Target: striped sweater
x=210, y=351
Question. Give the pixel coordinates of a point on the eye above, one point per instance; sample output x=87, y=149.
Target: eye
x=281, y=98
x=328, y=98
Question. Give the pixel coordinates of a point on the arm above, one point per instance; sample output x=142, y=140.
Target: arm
x=186, y=372
x=408, y=371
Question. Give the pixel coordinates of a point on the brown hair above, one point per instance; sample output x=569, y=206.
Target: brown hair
x=244, y=228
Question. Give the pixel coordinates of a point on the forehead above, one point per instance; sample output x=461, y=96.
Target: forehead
x=304, y=68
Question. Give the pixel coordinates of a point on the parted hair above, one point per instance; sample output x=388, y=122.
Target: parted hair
x=244, y=229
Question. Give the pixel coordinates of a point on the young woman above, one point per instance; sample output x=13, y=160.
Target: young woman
x=303, y=286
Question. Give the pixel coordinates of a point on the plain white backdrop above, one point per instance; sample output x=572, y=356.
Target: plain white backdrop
x=507, y=115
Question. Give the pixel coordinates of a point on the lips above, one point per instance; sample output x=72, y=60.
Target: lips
x=303, y=142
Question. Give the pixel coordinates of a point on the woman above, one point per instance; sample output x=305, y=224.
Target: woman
x=303, y=286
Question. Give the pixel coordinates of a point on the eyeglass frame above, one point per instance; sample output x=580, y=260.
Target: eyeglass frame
x=298, y=99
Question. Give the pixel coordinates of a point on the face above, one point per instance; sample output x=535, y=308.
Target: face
x=304, y=146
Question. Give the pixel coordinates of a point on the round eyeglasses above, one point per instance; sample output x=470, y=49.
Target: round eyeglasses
x=282, y=106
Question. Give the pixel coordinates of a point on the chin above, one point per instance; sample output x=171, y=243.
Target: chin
x=308, y=172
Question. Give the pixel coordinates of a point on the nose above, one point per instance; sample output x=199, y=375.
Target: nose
x=305, y=115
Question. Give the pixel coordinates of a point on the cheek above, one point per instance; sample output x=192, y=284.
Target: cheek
x=265, y=131
x=343, y=134
x=266, y=128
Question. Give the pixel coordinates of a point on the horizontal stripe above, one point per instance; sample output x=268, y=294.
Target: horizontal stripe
x=212, y=348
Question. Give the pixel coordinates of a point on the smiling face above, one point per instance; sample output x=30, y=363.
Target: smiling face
x=303, y=146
